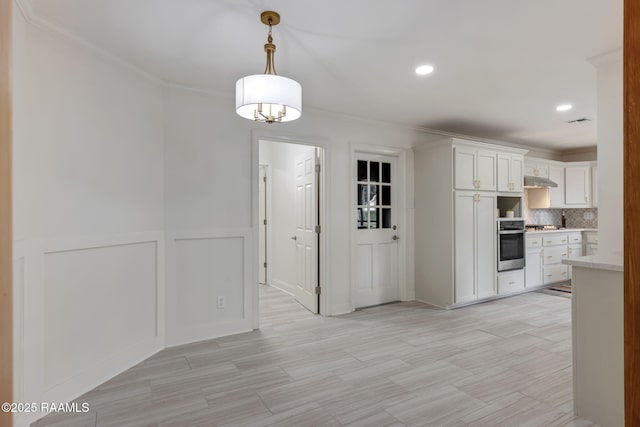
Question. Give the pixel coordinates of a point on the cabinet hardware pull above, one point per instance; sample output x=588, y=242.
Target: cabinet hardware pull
x=564, y=272
x=550, y=256
x=549, y=275
x=564, y=254
x=512, y=283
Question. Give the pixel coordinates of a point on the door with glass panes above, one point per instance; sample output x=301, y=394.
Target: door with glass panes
x=376, y=229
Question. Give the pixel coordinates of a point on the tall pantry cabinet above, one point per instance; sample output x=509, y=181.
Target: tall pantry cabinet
x=456, y=236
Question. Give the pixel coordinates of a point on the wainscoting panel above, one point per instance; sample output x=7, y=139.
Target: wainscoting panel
x=97, y=302
x=209, y=293
x=86, y=309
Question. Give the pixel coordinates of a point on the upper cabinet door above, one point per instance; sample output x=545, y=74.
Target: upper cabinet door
x=504, y=173
x=556, y=194
x=486, y=170
x=577, y=186
x=517, y=177
x=510, y=169
x=465, y=169
x=594, y=186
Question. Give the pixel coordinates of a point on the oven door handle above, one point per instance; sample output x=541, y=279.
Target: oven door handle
x=511, y=232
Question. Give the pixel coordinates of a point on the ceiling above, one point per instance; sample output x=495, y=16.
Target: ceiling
x=501, y=66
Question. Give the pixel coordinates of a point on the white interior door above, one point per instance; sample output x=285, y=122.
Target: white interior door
x=306, y=238
x=262, y=202
x=377, y=230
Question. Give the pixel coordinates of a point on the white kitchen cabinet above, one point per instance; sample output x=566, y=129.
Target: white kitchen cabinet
x=590, y=242
x=475, y=240
x=555, y=273
x=556, y=194
x=594, y=186
x=510, y=282
x=577, y=186
x=536, y=168
x=510, y=173
x=475, y=169
x=456, y=239
x=533, y=261
x=555, y=249
x=574, y=248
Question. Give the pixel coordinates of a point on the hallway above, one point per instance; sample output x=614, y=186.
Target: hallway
x=507, y=362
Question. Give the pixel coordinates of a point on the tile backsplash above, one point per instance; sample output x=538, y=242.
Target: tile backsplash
x=575, y=217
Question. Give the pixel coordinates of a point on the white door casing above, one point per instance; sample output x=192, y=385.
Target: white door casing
x=262, y=202
x=306, y=237
x=375, y=224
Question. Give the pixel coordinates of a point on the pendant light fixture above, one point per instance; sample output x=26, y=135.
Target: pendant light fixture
x=269, y=97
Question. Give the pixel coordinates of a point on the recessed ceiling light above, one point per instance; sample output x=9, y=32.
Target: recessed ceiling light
x=424, y=70
x=564, y=107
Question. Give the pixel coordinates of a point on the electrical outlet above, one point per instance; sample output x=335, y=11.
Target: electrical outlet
x=221, y=302
x=588, y=216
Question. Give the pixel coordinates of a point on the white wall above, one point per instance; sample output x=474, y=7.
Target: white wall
x=610, y=153
x=280, y=157
x=88, y=210
x=208, y=181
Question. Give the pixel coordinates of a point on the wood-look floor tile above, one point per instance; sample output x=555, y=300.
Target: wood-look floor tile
x=502, y=363
x=130, y=414
x=68, y=420
x=235, y=408
x=378, y=419
x=307, y=415
x=435, y=406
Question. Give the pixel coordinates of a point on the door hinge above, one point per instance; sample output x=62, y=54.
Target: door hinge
x=317, y=168
x=318, y=290
x=264, y=179
x=265, y=265
x=264, y=222
x=318, y=229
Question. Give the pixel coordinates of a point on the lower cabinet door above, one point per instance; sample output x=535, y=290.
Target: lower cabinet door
x=465, y=247
x=487, y=239
x=555, y=273
x=533, y=268
x=509, y=282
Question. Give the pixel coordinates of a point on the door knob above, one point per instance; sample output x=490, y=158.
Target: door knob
x=395, y=237
x=294, y=238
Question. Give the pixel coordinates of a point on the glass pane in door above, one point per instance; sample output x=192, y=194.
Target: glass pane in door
x=362, y=170
x=374, y=195
x=386, y=172
x=374, y=171
x=363, y=198
x=363, y=221
x=386, y=218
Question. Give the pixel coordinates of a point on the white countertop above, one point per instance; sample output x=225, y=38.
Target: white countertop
x=609, y=262
x=562, y=230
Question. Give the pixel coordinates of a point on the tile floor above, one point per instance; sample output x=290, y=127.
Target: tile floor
x=502, y=363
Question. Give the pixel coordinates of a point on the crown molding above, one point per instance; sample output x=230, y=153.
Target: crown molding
x=26, y=10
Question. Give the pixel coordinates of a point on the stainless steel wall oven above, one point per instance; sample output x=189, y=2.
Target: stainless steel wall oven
x=510, y=244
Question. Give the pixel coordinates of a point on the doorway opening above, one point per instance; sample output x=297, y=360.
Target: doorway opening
x=289, y=220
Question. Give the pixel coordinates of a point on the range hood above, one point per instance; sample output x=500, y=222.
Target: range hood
x=538, y=182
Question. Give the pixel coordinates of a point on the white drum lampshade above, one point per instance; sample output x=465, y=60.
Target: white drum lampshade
x=268, y=97
x=268, y=94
